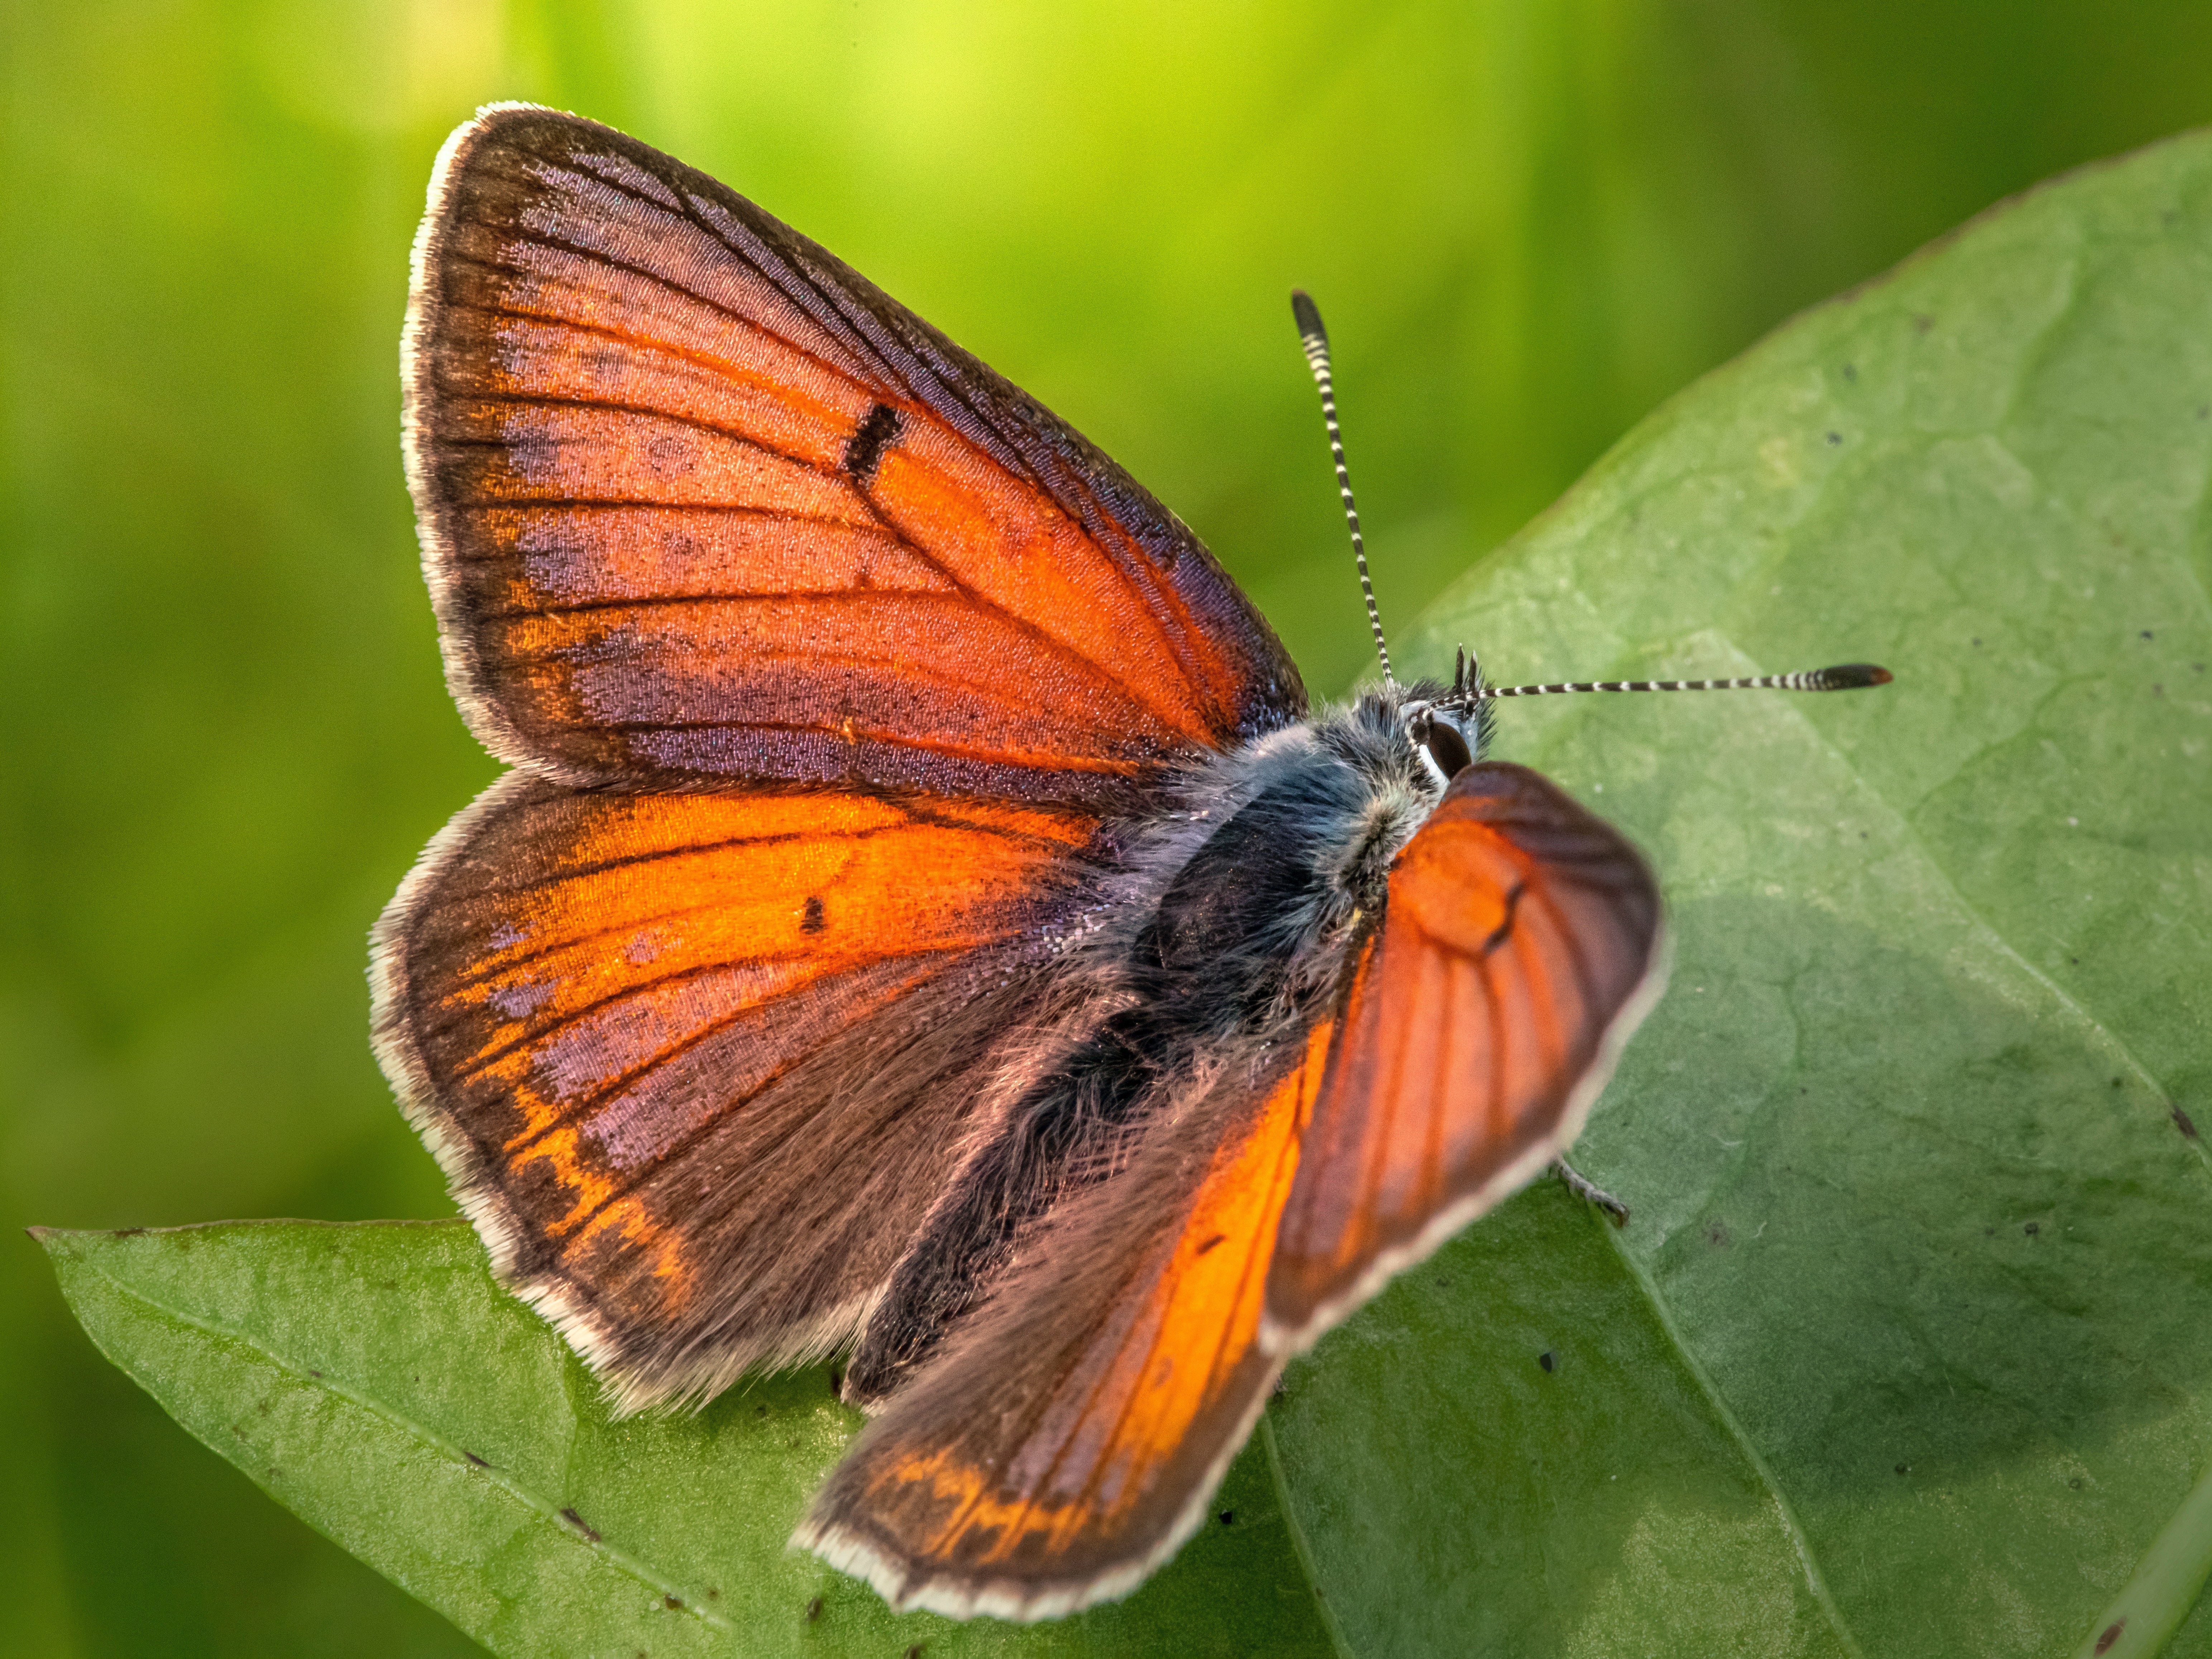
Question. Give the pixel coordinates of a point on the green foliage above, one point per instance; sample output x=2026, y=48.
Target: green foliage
x=1906, y=1349
x=1529, y=221
x=321, y=1359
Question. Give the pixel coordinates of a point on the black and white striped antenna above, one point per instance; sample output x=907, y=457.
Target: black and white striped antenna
x=1467, y=688
x=1314, y=338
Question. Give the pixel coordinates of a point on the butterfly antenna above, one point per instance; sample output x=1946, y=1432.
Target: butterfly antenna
x=1314, y=338
x=1467, y=687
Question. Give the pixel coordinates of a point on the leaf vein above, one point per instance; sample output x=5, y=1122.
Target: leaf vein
x=544, y=1509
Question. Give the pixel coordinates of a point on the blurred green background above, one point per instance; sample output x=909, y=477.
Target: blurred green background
x=226, y=735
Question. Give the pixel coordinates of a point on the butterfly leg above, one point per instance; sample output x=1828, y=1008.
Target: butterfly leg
x=1590, y=1192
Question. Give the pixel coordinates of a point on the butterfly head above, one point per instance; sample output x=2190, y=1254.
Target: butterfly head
x=1447, y=727
x=1399, y=747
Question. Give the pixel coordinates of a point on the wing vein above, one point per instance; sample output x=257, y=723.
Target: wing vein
x=930, y=745
x=728, y=313
x=486, y=1058
x=674, y=417
x=728, y=368
x=645, y=1171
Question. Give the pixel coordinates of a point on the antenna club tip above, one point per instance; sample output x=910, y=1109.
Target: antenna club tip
x=1852, y=676
x=1307, y=314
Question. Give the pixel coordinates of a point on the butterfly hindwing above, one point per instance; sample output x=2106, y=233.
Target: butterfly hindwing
x=1519, y=946
x=699, y=502
x=1068, y=1436
x=647, y=1036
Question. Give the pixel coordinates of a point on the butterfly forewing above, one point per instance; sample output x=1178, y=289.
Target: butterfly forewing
x=699, y=503
x=647, y=1036
x=1519, y=946
x=1068, y=1438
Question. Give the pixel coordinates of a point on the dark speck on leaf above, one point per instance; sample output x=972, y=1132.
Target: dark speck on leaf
x=2146, y=632
x=2116, y=1083
x=1989, y=1232
x=2032, y=1229
x=2111, y=1634
x=714, y=1595
x=474, y=1459
x=1835, y=437
x=2076, y=1483
x=317, y=1375
x=1976, y=641
x=1227, y=1516
x=1547, y=1360
x=914, y=1651
x=1923, y=324
x=1850, y=372
x=814, y=1610
x=580, y=1524
x=1905, y=1469
x=1716, y=1233
x=672, y=1601
x=760, y=1411
x=2181, y=1121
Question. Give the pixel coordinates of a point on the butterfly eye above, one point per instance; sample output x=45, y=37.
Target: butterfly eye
x=1445, y=744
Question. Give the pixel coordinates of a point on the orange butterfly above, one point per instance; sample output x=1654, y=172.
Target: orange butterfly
x=923, y=920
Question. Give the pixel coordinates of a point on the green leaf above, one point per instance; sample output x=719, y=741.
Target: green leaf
x=373, y=1378
x=1908, y=1347
x=1920, y=1216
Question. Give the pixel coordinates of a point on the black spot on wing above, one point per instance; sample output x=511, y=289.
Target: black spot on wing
x=813, y=921
x=1503, y=931
x=879, y=428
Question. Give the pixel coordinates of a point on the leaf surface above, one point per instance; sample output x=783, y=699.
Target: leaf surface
x=373, y=1378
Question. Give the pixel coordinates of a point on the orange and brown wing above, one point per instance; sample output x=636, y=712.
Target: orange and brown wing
x=1068, y=1438
x=646, y=1035
x=698, y=502
x=1519, y=946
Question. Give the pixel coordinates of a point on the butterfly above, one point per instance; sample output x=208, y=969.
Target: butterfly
x=924, y=921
